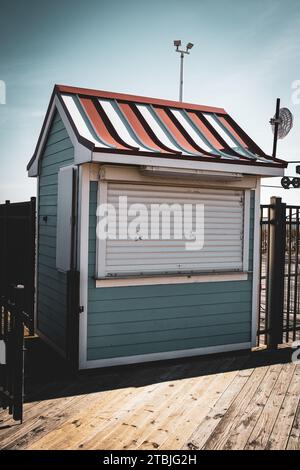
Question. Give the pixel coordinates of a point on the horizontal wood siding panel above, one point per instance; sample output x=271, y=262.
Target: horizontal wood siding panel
x=52, y=287
x=146, y=315
x=164, y=346
x=125, y=321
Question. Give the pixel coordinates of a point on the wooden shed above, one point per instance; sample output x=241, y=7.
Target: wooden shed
x=145, y=299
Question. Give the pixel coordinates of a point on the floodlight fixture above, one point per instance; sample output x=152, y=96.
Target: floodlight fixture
x=188, y=47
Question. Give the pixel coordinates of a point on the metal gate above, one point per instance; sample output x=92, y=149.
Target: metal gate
x=13, y=320
x=17, y=251
x=279, y=312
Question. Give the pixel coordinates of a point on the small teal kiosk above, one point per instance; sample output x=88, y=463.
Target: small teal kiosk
x=145, y=299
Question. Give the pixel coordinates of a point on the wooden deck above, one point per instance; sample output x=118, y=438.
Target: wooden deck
x=249, y=401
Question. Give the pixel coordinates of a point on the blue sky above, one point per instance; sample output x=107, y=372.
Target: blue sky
x=245, y=55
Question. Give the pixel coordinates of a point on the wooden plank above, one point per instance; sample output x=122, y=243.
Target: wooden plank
x=97, y=409
x=222, y=431
x=216, y=413
x=153, y=415
x=189, y=416
x=294, y=437
x=264, y=425
x=80, y=420
x=285, y=419
x=242, y=425
x=47, y=414
x=130, y=417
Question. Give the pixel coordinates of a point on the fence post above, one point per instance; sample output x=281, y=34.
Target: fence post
x=276, y=272
x=18, y=354
x=4, y=249
x=31, y=266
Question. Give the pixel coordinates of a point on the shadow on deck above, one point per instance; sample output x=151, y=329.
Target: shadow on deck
x=248, y=400
x=51, y=378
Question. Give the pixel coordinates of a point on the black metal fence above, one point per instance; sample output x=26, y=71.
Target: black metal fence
x=17, y=251
x=279, y=312
x=13, y=321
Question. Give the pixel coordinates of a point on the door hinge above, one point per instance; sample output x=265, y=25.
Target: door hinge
x=81, y=309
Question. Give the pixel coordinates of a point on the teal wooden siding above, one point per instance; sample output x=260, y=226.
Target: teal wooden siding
x=51, y=284
x=125, y=321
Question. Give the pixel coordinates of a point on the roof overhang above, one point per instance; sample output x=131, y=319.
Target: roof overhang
x=159, y=133
x=226, y=167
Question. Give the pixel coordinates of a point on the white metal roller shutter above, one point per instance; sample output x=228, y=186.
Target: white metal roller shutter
x=223, y=233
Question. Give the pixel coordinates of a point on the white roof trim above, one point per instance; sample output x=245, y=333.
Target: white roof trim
x=235, y=167
x=81, y=153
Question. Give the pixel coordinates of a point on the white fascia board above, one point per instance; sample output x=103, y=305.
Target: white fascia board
x=81, y=153
x=188, y=164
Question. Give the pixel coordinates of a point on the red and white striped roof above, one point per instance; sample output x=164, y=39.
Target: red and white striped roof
x=119, y=123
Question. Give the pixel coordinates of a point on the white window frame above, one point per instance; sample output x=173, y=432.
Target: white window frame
x=135, y=279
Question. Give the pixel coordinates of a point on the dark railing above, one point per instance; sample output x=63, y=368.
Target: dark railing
x=279, y=312
x=17, y=251
x=13, y=321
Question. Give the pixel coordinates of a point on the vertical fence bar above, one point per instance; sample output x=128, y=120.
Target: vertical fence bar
x=289, y=261
x=276, y=273
x=18, y=354
x=267, y=273
x=260, y=276
x=296, y=275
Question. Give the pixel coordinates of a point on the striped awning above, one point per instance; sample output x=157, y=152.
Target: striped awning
x=110, y=122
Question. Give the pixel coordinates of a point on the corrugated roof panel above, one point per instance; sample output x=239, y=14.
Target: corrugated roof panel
x=208, y=131
x=118, y=124
x=202, y=143
x=157, y=128
x=79, y=122
x=136, y=126
x=139, y=125
x=174, y=130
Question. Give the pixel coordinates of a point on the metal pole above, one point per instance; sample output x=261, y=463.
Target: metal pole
x=276, y=128
x=181, y=77
x=276, y=273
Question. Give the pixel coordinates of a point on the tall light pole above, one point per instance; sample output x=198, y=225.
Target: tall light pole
x=177, y=44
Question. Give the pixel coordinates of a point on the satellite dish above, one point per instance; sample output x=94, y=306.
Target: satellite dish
x=281, y=124
x=285, y=123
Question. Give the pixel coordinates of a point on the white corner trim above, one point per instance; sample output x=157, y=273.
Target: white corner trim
x=83, y=247
x=169, y=279
x=246, y=231
x=163, y=356
x=256, y=266
x=124, y=159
